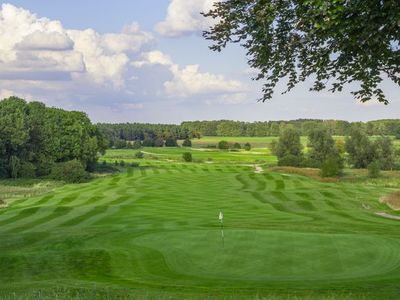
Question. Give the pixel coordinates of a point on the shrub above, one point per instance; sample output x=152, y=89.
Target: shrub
x=187, y=143
x=122, y=163
x=148, y=142
x=171, y=142
x=331, y=167
x=139, y=155
x=27, y=170
x=134, y=165
x=290, y=160
x=187, y=156
x=223, y=145
x=247, y=147
x=137, y=144
x=237, y=146
x=374, y=169
x=159, y=142
x=71, y=171
x=14, y=166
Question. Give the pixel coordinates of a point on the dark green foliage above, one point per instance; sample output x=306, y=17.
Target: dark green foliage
x=289, y=148
x=223, y=145
x=362, y=151
x=148, y=142
x=159, y=142
x=27, y=170
x=194, y=129
x=330, y=41
x=122, y=163
x=139, y=155
x=247, y=147
x=33, y=134
x=120, y=144
x=71, y=171
x=187, y=143
x=374, y=169
x=237, y=146
x=134, y=164
x=187, y=156
x=171, y=142
x=332, y=166
x=290, y=160
x=322, y=146
x=14, y=166
x=137, y=145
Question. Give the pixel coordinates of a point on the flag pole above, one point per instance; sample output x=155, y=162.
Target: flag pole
x=221, y=218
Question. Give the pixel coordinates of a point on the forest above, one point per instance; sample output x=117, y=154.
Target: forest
x=36, y=140
x=118, y=133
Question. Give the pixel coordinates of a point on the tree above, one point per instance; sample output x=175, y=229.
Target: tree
x=332, y=166
x=237, y=146
x=187, y=156
x=341, y=41
x=384, y=153
x=322, y=146
x=137, y=144
x=223, y=145
x=187, y=143
x=171, y=142
x=360, y=150
x=247, y=146
x=289, y=148
x=374, y=169
x=159, y=142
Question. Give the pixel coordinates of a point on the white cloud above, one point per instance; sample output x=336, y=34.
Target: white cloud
x=183, y=17
x=153, y=58
x=36, y=48
x=188, y=81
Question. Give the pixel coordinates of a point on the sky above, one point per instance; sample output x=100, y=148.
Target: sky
x=146, y=61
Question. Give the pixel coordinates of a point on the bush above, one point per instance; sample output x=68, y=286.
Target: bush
x=137, y=145
x=139, y=155
x=237, y=146
x=122, y=163
x=187, y=156
x=134, y=165
x=171, y=142
x=71, y=171
x=247, y=147
x=331, y=167
x=374, y=169
x=148, y=142
x=290, y=161
x=187, y=143
x=223, y=145
x=27, y=170
x=159, y=142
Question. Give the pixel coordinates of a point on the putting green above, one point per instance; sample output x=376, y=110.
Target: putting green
x=263, y=255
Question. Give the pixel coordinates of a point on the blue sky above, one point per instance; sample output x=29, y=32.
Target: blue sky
x=145, y=61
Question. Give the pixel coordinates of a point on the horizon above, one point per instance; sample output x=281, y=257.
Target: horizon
x=148, y=64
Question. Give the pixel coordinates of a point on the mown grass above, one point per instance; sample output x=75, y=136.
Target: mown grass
x=152, y=232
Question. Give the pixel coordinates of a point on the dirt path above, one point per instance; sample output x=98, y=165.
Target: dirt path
x=388, y=216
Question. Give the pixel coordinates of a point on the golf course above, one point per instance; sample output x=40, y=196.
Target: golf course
x=152, y=232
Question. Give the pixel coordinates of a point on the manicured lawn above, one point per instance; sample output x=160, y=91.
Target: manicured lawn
x=153, y=233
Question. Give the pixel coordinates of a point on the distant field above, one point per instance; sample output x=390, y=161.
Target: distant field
x=258, y=155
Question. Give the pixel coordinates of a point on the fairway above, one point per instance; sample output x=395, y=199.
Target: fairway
x=157, y=227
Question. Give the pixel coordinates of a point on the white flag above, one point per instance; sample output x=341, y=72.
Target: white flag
x=221, y=216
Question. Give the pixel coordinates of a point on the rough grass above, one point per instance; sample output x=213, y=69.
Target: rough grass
x=392, y=200
x=309, y=172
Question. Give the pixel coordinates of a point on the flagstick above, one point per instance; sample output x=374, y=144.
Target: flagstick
x=222, y=233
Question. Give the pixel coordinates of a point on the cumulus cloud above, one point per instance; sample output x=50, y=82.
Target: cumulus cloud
x=189, y=81
x=153, y=58
x=39, y=48
x=183, y=17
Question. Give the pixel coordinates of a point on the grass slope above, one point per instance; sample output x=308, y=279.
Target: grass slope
x=152, y=232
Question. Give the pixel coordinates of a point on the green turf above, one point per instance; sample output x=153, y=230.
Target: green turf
x=153, y=233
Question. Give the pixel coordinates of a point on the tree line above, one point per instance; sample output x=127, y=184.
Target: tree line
x=357, y=150
x=118, y=134
x=36, y=140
